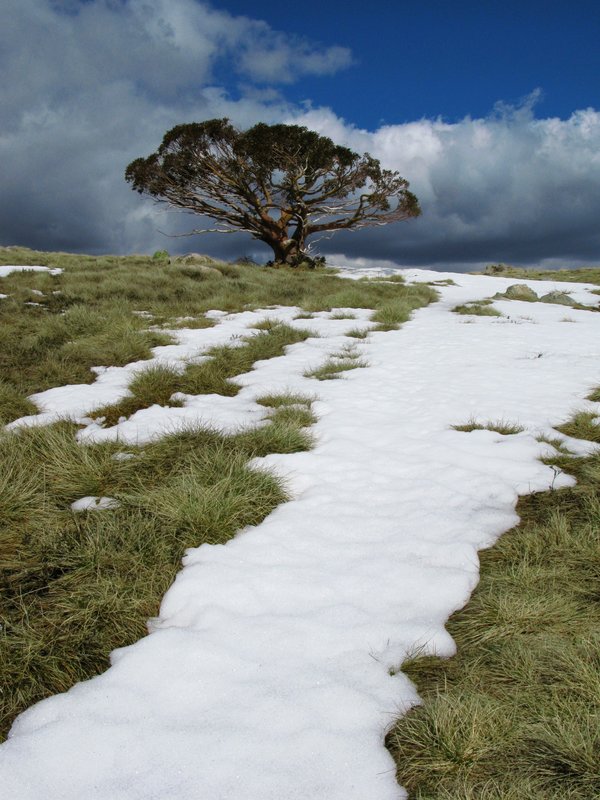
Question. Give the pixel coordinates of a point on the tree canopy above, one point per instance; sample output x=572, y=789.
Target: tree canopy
x=280, y=183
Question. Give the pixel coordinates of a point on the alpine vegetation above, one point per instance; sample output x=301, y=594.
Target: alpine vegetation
x=328, y=528
x=280, y=183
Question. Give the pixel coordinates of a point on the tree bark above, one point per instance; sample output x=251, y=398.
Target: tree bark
x=286, y=251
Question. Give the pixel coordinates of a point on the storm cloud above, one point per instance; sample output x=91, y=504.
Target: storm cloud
x=509, y=188
x=87, y=87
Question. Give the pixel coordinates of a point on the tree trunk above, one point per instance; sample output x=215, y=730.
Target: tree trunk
x=287, y=251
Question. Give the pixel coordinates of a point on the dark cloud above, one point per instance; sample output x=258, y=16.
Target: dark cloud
x=506, y=188
x=87, y=87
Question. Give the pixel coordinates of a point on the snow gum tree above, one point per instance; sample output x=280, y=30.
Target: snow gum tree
x=280, y=183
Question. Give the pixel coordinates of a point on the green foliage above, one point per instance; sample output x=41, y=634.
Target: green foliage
x=279, y=183
x=479, y=308
x=76, y=586
x=91, y=314
x=583, y=275
x=161, y=255
x=583, y=425
x=502, y=426
x=346, y=359
x=515, y=713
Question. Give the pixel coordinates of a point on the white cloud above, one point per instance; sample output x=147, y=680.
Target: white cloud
x=507, y=187
x=88, y=87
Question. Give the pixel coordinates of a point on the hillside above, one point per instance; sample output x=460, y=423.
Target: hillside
x=362, y=436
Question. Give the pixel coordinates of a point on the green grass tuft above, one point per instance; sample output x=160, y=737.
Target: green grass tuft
x=505, y=427
x=515, y=713
x=76, y=586
x=479, y=308
x=346, y=359
x=358, y=333
x=583, y=425
x=342, y=315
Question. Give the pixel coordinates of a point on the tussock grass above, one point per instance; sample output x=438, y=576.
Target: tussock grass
x=479, y=308
x=358, y=333
x=346, y=359
x=73, y=587
x=157, y=384
x=225, y=362
x=594, y=396
x=394, y=278
x=390, y=315
x=515, y=713
x=442, y=282
x=583, y=425
x=89, y=315
x=289, y=408
x=153, y=386
x=13, y=404
x=583, y=275
x=285, y=399
x=505, y=427
x=76, y=586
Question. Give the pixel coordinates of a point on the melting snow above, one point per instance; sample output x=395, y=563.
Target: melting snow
x=267, y=673
x=91, y=503
x=6, y=270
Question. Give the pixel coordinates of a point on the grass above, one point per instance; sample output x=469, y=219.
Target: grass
x=358, y=333
x=156, y=385
x=516, y=713
x=505, y=427
x=346, y=359
x=90, y=314
x=392, y=314
x=583, y=275
x=76, y=586
x=479, y=308
x=393, y=278
x=583, y=425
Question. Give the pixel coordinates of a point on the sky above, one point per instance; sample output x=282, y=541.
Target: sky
x=491, y=110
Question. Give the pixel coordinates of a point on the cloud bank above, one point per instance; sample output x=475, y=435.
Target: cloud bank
x=87, y=87
x=509, y=187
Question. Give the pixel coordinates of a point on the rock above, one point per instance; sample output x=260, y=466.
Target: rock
x=520, y=291
x=561, y=298
x=194, y=270
x=195, y=258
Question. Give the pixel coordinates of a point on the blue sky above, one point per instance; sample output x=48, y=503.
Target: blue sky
x=449, y=59
x=490, y=109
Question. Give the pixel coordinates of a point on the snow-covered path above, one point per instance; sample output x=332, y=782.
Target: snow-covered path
x=267, y=674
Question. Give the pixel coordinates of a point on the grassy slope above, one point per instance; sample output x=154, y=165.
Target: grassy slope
x=75, y=586
x=516, y=713
x=89, y=315
x=583, y=275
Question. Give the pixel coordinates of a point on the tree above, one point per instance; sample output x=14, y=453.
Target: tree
x=280, y=183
